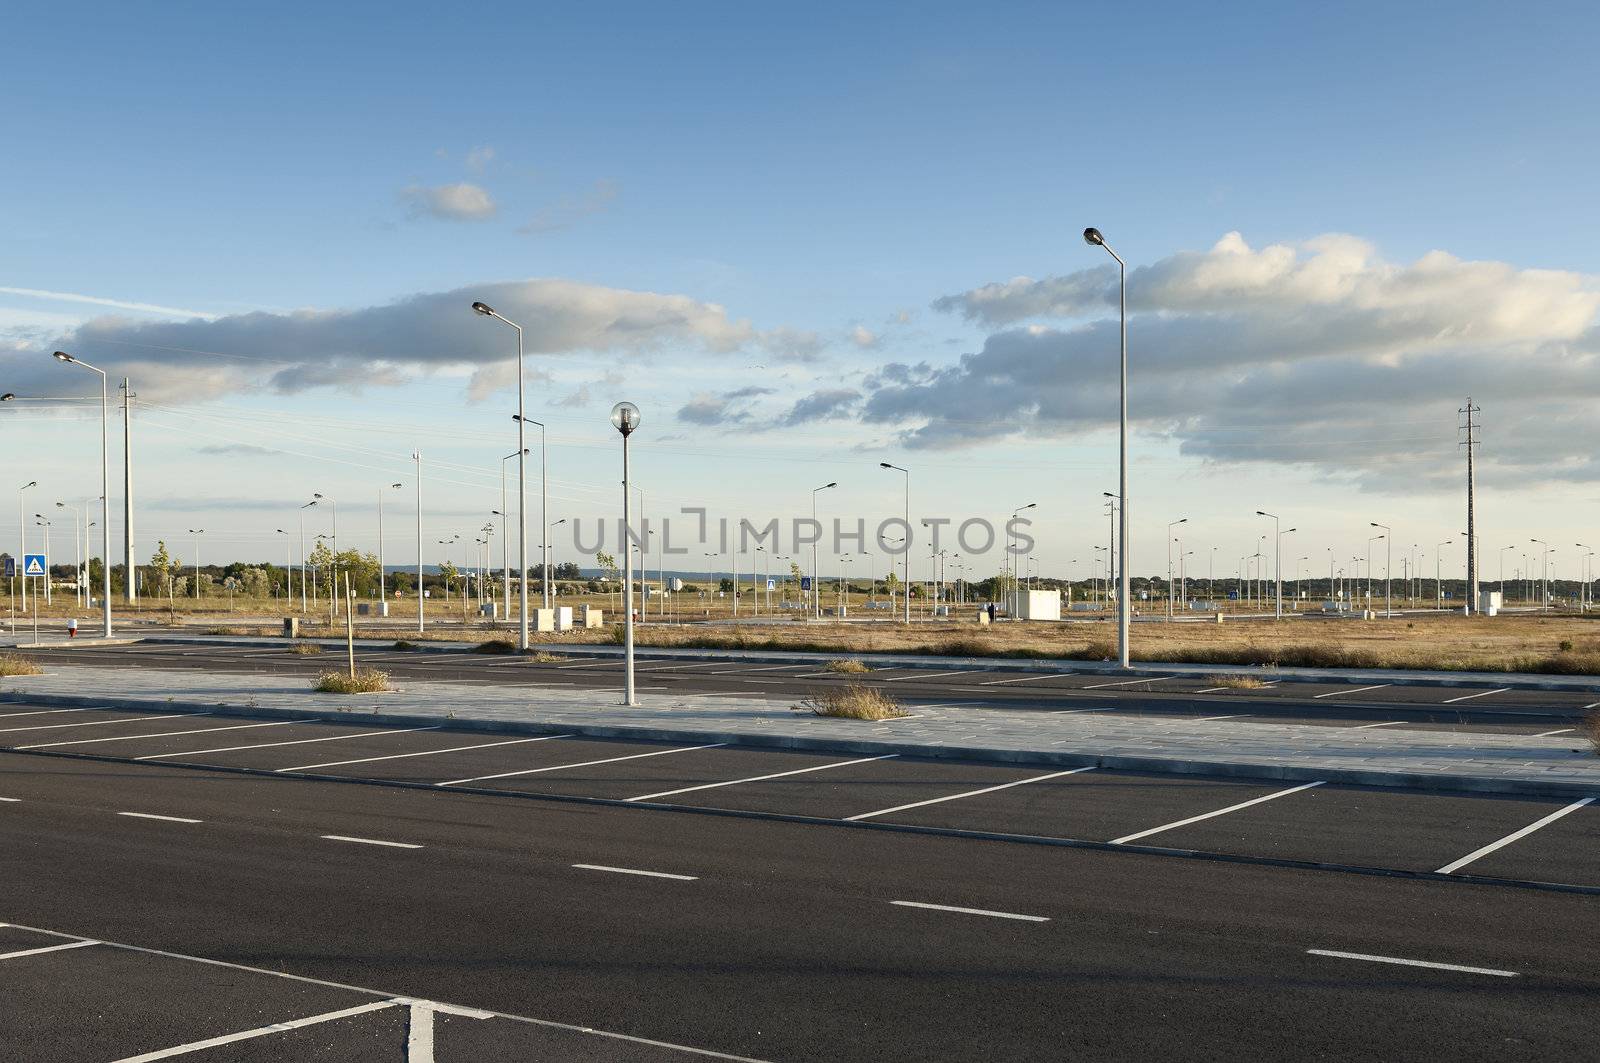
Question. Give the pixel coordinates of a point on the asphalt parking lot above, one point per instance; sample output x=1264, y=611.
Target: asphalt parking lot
x=1524, y=839
x=1455, y=708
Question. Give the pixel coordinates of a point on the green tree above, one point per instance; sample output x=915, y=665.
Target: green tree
x=608, y=565
x=794, y=571
x=448, y=573
x=161, y=566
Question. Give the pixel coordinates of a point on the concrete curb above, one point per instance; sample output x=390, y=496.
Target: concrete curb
x=1514, y=680
x=1157, y=765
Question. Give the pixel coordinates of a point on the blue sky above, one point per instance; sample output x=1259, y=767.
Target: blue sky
x=822, y=175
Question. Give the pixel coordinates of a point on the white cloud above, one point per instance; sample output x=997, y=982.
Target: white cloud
x=479, y=158
x=865, y=338
x=458, y=202
x=1319, y=354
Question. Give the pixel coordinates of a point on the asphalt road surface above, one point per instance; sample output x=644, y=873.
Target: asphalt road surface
x=1460, y=708
x=465, y=896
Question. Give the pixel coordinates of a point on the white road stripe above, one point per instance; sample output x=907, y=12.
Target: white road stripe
x=591, y=664
x=159, y=734
x=1219, y=812
x=634, y=871
x=1023, y=679
x=1596, y=705
x=423, y=753
x=1353, y=690
x=13, y=800
x=969, y=793
x=165, y=819
x=1370, y=726
x=1552, y=734
x=37, y=712
x=973, y=911
x=1469, y=697
x=763, y=778
x=419, y=1034
x=1410, y=963
x=582, y=764
x=934, y=675
x=1073, y=712
x=100, y=723
x=260, y=1031
x=367, y=841
x=763, y=668
x=294, y=742
x=1236, y=716
x=658, y=665
x=1130, y=682
x=46, y=948
x=1509, y=838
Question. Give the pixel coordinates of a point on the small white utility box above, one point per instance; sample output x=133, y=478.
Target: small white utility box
x=1489, y=603
x=489, y=610
x=1039, y=605
x=590, y=617
x=563, y=617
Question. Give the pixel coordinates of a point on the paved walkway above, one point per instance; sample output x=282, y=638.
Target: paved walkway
x=1388, y=756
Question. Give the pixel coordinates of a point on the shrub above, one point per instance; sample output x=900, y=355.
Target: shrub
x=543, y=657
x=854, y=702
x=365, y=681
x=1566, y=646
x=1241, y=682
x=305, y=649
x=500, y=646
x=15, y=664
x=1591, y=728
x=848, y=666
x=402, y=644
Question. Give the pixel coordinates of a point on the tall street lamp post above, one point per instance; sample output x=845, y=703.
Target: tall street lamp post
x=505, y=540
x=522, y=491
x=1438, y=583
x=907, y=474
x=816, y=600
x=1009, y=564
x=1093, y=237
x=1170, y=526
x=105, y=490
x=22, y=532
x=383, y=599
x=625, y=419
x=1544, y=574
x=197, y=532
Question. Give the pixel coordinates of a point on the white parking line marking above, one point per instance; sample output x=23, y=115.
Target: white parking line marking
x=295, y=742
x=367, y=841
x=591, y=664
x=159, y=734
x=424, y=753
x=99, y=723
x=1469, y=697
x=165, y=819
x=260, y=1031
x=973, y=911
x=47, y=948
x=1130, y=682
x=1450, y=868
x=1353, y=690
x=1596, y=705
x=390, y=997
x=658, y=665
x=763, y=668
x=37, y=712
x=763, y=778
x=968, y=793
x=1219, y=812
x=1023, y=679
x=933, y=675
x=1370, y=726
x=1236, y=716
x=582, y=764
x=1073, y=712
x=1552, y=734
x=635, y=871
x=1410, y=963
x=419, y=1034
x=13, y=800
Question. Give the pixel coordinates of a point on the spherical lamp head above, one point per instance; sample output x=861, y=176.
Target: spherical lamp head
x=625, y=417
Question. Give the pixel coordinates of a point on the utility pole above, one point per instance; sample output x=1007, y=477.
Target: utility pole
x=130, y=579
x=1470, y=443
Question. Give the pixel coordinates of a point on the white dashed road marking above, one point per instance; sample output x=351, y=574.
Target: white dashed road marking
x=1479, y=694
x=1410, y=963
x=1352, y=690
x=1130, y=682
x=47, y=948
x=635, y=871
x=367, y=841
x=973, y=911
x=1023, y=679
x=1552, y=734
x=164, y=819
x=1370, y=726
x=969, y=793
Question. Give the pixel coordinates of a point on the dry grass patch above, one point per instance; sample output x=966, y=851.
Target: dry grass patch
x=305, y=649
x=1241, y=682
x=546, y=658
x=16, y=664
x=365, y=681
x=848, y=666
x=1591, y=730
x=854, y=702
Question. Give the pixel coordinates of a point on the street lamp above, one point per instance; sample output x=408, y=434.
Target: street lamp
x=1093, y=237
x=544, y=505
x=1370, y=541
x=907, y=473
x=288, y=570
x=105, y=490
x=505, y=540
x=1008, y=562
x=197, y=532
x=383, y=600
x=625, y=419
x=1585, y=568
x=816, y=599
x=334, y=572
x=1170, y=525
x=1438, y=583
x=1544, y=574
x=522, y=490
x=40, y=522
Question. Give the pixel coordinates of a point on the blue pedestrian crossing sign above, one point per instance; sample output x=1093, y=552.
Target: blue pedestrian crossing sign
x=805, y=583
x=11, y=566
x=33, y=564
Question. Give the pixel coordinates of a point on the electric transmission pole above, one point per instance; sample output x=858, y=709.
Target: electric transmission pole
x=1471, y=443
